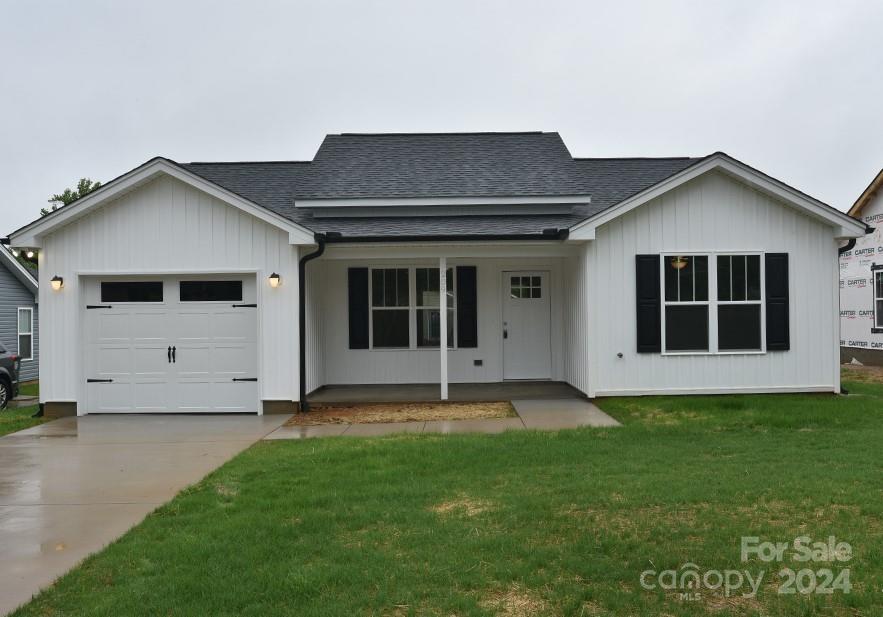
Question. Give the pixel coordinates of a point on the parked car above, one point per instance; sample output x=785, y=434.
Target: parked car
x=10, y=364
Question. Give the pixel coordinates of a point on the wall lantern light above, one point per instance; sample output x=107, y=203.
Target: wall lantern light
x=57, y=282
x=15, y=252
x=275, y=280
x=679, y=262
x=29, y=254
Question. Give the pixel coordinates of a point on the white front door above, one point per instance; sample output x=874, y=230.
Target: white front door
x=172, y=344
x=527, y=346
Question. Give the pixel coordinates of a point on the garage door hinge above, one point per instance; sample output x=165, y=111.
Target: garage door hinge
x=95, y=306
x=245, y=306
x=99, y=381
x=245, y=379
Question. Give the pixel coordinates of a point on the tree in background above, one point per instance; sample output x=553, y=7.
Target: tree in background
x=84, y=187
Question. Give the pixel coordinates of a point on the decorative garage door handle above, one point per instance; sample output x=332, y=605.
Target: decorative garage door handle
x=245, y=379
x=171, y=353
x=99, y=381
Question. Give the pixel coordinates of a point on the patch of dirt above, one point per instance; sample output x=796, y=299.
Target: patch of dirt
x=634, y=519
x=462, y=505
x=662, y=417
x=736, y=604
x=514, y=602
x=225, y=490
x=368, y=413
x=866, y=374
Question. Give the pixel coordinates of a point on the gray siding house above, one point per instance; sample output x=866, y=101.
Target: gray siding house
x=18, y=314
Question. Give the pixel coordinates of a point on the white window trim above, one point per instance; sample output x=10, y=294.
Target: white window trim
x=411, y=307
x=713, y=303
x=876, y=272
x=19, y=333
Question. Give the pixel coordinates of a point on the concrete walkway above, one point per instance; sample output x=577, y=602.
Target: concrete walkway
x=71, y=486
x=547, y=415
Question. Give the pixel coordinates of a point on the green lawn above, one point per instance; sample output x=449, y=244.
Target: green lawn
x=12, y=420
x=29, y=388
x=516, y=524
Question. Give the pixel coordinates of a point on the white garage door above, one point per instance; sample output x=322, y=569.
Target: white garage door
x=172, y=344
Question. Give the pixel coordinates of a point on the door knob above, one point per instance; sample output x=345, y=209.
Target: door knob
x=505, y=333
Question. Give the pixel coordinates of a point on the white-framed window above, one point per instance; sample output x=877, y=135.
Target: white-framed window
x=686, y=306
x=405, y=308
x=390, y=308
x=428, y=314
x=26, y=333
x=739, y=306
x=877, y=271
x=713, y=303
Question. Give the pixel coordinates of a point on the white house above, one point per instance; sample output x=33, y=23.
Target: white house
x=243, y=286
x=861, y=282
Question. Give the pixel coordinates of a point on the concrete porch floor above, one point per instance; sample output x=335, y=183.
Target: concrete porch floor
x=428, y=392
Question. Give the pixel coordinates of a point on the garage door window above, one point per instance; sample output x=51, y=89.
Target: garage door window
x=131, y=291
x=211, y=291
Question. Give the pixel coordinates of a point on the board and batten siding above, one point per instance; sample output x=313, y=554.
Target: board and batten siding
x=577, y=317
x=713, y=213
x=314, y=326
x=167, y=227
x=14, y=295
x=382, y=366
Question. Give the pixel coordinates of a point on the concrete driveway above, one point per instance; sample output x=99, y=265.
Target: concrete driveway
x=71, y=486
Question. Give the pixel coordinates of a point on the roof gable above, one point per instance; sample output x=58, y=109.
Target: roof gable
x=25, y=277
x=845, y=226
x=30, y=235
x=868, y=194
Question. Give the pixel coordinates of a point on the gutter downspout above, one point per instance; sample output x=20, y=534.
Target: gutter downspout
x=850, y=244
x=302, y=318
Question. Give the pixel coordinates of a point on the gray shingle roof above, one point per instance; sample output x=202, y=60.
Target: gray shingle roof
x=440, y=165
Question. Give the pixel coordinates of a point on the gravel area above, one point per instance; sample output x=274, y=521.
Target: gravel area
x=366, y=413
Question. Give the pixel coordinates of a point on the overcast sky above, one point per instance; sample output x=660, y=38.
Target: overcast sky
x=96, y=88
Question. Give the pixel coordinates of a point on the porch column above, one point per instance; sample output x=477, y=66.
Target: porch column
x=443, y=324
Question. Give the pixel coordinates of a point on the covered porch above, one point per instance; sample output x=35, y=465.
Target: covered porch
x=513, y=313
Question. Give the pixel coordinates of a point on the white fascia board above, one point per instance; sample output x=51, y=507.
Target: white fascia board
x=451, y=250
x=441, y=201
x=30, y=235
x=18, y=270
x=844, y=225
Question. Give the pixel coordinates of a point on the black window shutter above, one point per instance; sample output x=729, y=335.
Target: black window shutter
x=648, y=303
x=467, y=307
x=777, y=322
x=357, y=284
